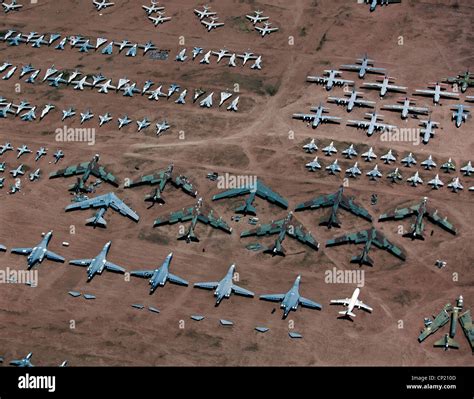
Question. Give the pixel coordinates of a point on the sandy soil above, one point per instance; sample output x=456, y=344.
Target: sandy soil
x=108, y=331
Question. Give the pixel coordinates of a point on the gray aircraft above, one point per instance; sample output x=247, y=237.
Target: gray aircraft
x=204, y=13
x=363, y=65
x=292, y=299
x=106, y=118
x=225, y=287
x=153, y=8
x=102, y=4
x=98, y=264
x=436, y=183
x=22, y=150
x=313, y=165
x=212, y=23
x=257, y=17
x=68, y=113
x=467, y=169
x=330, y=79
x=124, y=121
x=266, y=29
x=375, y=3
x=374, y=174
x=35, y=175
x=102, y=203
x=58, y=155
x=437, y=91
x=415, y=179
x=350, y=152
x=388, y=157
x=47, y=108
x=17, y=171
x=370, y=123
x=395, y=175
x=351, y=100
x=37, y=254
x=429, y=163
x=404, y=106
x=353, y=171
x=448, y=166
x=384, y=86
x=460, y=114
x=159, y=276
x=13, y=6
x=85, y=116
x=427, y=131
x=24, y=362
x=143, y=124
x=333, y=168
x=409, y=160
x=160, y=19
x=6, y=147
x=318, y=116
x=455, y=185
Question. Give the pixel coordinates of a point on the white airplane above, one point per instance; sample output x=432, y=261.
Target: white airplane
x=159, y=19
x=207, y=102
x=181, y=57
x=123, y=121
x=233, y=105
x=225, y=95
x=41, y=152
x=196, y=51
x=85, y=116
x=10, y=73
x=161, y=127
x=317, y=117
x=221, y=54
x=468, y=169
x=388, y=157
x=102, y=4
x=429, y=163
x=123, y=44
x=353, y=171
x=333, y=168
x=17, y=171
x=404, y=105
x=182, y=97
x=232, y=59
x=436, y=183
x=310, y=147
x=351, y=303
x=369, y=155
x=13, y=6
x=375, y=3
x=437, y=91
x=374, y=174
x=258, y=63
x=104, y=87
x=351, y=100
x=330, y=149
x=106, y=118
x=15, y=187
x=313, y=165
x=205, y=12
x=460, y=114
x=370, y=123
x=385, y=85
x=206, y=58
x=212, y=24
x=146, y=87
x=22, y=150
x=330, y=80
x=428, y=130
x=246, y=57
x=363, y=66
x=30, y=115
x=143, y=124
x=409, y=160
x=266, y=29
x=415, y=179
x=350, y=152
x=455, y=185
x=258, y=17
x=153, y=8
x=35, y=175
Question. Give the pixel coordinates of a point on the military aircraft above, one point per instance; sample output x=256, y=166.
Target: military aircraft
x=335, y=201
x=318, y=116
x=26, y=69
x=310, y=147
x=375, y=3
x=384, y=86
x=368, y=237
x=181, y=57
x=266, y=29
x=35, y=175
x=159, y=19
x=204, y=13
x=388, y=157
x=6, y=147
x=468, y=169
x=103, y=202
x=404, y=105
x=225, y=287
x=374, y=174
x=106, y=86
x=351, y=303
x=428, y=163
x=47, y=108
x=394, y=175
x=58, y=155
x=353, y=171
x=161, y=127
x=2, y=166
x=436, y=183
x=246, y=57
x=350, y=152
x=193, y=214
x=124, y=121
x=13, y=6
x=291, y=299
x=363, y=65
x=258, y=63
x=196, y=52
x=161, y=178
x=143, y=124
x=14, y=188
x=68, y=113
x=351, y=100
x=159, y=276
x=152, y=8
x=22, y=150
x=206, y=58
x=415, y=179
x=419, y=210
x=257, y=17
x=17, y=171
x=233, y=105
x=283, y=227
x=330, y=149
x=86, y=169
x=98, y=264
x=85, y=116
x=106, y=118
x=409, y=160
x=437, y=91
x=29, y=116
x=225, y=95
x=313, y=165
x=369, y=155
x=428, y=130
x=37, y=254
x=448, y=166
x=460, y=114
x=333, y=168
x=102, y=4
x=455, y=185
x=26, y=361
x=258, y=189
x=330, y=79
x=212, y=23
x=221, y=54
x=439, y=321
x=370, y=123
x=463, y=81
x=207, y=102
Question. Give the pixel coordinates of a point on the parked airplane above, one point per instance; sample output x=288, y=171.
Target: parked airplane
x=395, y=175
x=35, y=175
x=257, y=17
x=102, y=4
x=292, y=299
x=310, y=147
x=58, y=155
x=468, y=169
x=330, y=79
x=38, y=253
x=369, y=155
x=330, y=149
x=106, y=118
x=370, y=123
x=13, y=6
x=204, y=13
x=353, y=171
x=375, y=3
x=448, y=166
x=351, y=100
x=463, y=80
x=404, y=106
x=363, y=65
x=212, y=23
x=22, y=150
x=428, y=130
x=318, y=116
x=333, y=168
x=41, y=152
x=374, y=174
x=266, y=29
x=159, y=19
x=26, y=361
x=47, y=108
x=313, y=165
x=429, y=163
x=350, y=152
x=384, y=86
x=460, y=114
x=152, y=8
x=388, y=157
x=455, y=185
x=351, y=303
x=415, y=179
x=436, y=183
x=124, y=121
x=437, y=91
x=409, y=160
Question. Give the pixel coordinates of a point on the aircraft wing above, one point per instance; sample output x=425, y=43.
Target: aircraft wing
x=393, y=106
x=318, y=202
x=344, y=302
x=328, y=118
x=382, y=126
x=241, y=291
x=306, y=117
x=362, y=305
x=22, y=251
x=356, y=238
x=235, y=192
x=207, y=285
x=217, y=223
x=118, y=205
x=266, y=193
x=177, y=280
x=373, y=85
x=264, y=229
x=440, y=320
x=381, y=242
x=309, y=303
x=351, y=67
x=114, y=268
x=175, y=217
x=273, y=297
x=103, y=174
x=349, y=205
x=440, y=221
x=78, y=169
x=154, y=178
x=364, y=124
x=343, y=81
x=53, y=256
x=142, y=273
x=302, y=235
x=399, y=213
x=374, y=69
x=81, y=262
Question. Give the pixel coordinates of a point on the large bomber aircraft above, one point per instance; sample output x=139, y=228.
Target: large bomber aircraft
x=37, y=254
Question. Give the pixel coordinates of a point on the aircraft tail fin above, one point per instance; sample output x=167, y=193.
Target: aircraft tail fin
x=363, y=259
x=446, y=342
x=96, y=221
x=189, y=236
x=414, y=235
x=155, y=196
x=347, y=313
x=276, y=249
x=246, y=209
x=330, y=221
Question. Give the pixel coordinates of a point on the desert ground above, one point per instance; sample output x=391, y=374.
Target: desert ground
x=418, y=42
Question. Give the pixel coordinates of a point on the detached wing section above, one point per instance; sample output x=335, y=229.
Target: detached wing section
x=444, y=223
x=217, y=223
x=78, y=169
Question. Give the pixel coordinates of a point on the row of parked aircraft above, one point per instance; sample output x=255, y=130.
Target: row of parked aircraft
x=266, y=27
x=221, y=54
